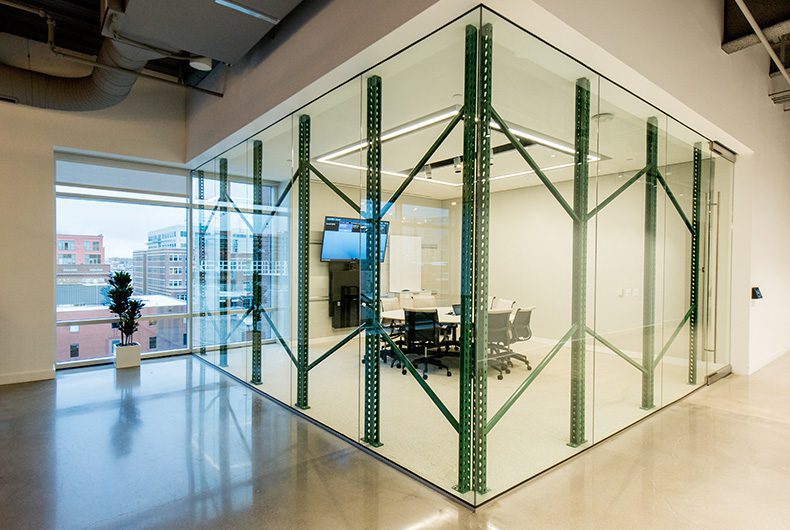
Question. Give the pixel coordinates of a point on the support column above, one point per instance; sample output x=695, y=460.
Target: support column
x=579, y=293
x=303, y=297
x=202, y=260
x=694, y=283
x=467, y=360
x=649, y=277
x=257, y=257
x=371, y=267
x=224, y=267
x=481, y=200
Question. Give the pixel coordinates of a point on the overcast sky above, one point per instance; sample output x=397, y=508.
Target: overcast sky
x=125, y=226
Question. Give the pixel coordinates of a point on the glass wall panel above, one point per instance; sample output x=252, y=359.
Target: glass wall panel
x=540, y=284
x=537, y=281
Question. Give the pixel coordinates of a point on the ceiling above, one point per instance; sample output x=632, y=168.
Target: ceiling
x=197, y=27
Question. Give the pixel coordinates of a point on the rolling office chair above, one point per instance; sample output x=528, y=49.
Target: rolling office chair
x=423, y=339
x=423, y=300
x=501, y=303
x=499, y=340
x=520, y=332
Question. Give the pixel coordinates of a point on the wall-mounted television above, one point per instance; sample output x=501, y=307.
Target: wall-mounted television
x=345, y=239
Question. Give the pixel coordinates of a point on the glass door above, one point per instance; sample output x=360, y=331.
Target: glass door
x=716, y=265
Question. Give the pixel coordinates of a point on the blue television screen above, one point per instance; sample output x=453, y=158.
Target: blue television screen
x=345, y=239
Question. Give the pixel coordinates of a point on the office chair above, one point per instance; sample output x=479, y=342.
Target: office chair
x=502, y=303
x=521, y=331
x=423, y=339
x=423, y=300
x=499, y=340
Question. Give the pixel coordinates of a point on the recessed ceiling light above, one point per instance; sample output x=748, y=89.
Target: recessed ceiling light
x=602, y=117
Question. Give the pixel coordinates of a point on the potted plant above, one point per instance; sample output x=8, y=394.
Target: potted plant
x=127, y=353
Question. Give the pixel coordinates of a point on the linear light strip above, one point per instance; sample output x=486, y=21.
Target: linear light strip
x=248, y=11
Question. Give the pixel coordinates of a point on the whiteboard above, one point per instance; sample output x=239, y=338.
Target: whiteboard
x=405, y=263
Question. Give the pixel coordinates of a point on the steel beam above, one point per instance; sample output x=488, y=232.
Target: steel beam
x=467, y=361
x=257, y=260
x=649, y=275
x=224, y=266
x=481, y=241
x=371, y=267
x=579, y=277
x=202, y=258
x=695, y=266
x=303, y=297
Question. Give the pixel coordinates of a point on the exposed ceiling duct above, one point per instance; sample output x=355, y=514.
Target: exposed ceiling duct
x=103, y=88
x=130, y=36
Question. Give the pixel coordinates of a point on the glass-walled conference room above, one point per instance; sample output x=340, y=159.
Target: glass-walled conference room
x=477, y=259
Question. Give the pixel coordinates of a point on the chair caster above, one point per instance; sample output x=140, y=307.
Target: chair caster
x=507, y=371
x=403, y=371
x=499, y=377
x=529, y=367
x=449, y=373
x=425, y=376
x=400, y=366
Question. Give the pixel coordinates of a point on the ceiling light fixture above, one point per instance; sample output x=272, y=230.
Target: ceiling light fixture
x=248, y=11
x=438, y=117
x=204, y=64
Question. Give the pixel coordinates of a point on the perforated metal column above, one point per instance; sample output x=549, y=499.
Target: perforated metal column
x=371, y=267
x=481, y=244
x=303, y=297
x=579, y=278
x=467, y=360
x=257, y=257
x=224, y=270
x=695, y=267
x=649, y=278
x=202, y=291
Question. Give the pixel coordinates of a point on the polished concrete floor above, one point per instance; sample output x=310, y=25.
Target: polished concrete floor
x=170, y=446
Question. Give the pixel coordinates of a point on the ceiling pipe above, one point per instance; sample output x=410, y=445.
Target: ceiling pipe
x=760, y=35
x=115, y=70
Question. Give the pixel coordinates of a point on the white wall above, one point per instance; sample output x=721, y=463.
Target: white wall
x=149, y=125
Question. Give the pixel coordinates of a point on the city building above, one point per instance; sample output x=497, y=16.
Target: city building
x=80, y=259
x=424, y=264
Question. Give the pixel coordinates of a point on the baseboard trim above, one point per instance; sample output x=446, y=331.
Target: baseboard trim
x=26, y=377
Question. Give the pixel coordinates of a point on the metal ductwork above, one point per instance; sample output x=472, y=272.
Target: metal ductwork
x=104, y=88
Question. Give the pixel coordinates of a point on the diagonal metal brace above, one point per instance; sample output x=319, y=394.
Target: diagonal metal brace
x=528, y=381
x=336, y=347
x=616, y=350
x=616, y=193
x=277, y=334
x=665, y=349
x=425, y=386
x=505, y=129
x=674, y=201
x=334, y=188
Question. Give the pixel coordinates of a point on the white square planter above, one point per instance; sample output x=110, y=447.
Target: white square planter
x=127, y=356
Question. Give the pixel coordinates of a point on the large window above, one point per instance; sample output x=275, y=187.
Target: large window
x=111, y=229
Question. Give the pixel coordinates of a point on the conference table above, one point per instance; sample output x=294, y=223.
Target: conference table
x=445, y=314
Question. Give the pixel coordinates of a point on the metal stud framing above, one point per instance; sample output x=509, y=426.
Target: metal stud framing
x=694, y=283
x=257, y=259
x=649, y=278
x=224, y=268
x=202, y=259
x=371, y=267
x=467, y=360
x=303, y=296
x=481, y=243
x=579, y=278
